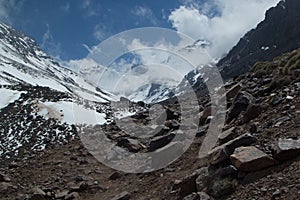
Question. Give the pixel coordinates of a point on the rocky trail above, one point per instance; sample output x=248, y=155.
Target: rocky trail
x=256, y=157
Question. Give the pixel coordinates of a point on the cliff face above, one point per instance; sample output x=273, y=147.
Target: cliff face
x=277, y=34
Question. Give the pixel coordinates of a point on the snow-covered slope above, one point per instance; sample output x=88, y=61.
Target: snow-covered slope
x=22, y=61
x=41, y=103
x=152, y=93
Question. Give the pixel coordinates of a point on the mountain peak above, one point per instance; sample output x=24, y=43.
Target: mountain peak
x=278, y=33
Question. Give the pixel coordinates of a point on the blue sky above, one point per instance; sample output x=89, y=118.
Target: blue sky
x=66, y=29
x=62, y=27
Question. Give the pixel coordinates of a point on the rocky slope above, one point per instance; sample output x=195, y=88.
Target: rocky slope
x=256, y=157
x=279, y=32
x=39, y=97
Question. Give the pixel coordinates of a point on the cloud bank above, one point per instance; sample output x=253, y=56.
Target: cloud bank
x=232, y=19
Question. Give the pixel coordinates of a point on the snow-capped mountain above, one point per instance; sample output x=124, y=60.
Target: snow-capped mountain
x=22, y=61
x=151, y=93
x=41, y=102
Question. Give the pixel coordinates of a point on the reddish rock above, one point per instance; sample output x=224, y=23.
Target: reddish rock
x=250, y=159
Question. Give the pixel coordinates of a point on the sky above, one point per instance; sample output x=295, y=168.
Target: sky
x=69, y=30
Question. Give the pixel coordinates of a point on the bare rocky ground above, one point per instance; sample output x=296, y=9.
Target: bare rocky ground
x=257, y=155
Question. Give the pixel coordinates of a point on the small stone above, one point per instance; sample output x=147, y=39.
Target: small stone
x=193, y=196
x=250, y=159
x=73, y=195
x=115, y=175
x=276, y=194
x=4, y=178
x=122, y=196
x=203, y=196
x=62, y=194
x=38, y=191
x=5, y=187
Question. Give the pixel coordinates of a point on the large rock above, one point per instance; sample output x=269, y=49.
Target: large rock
x=202, y=179
x=160, y=141
x=221, y=153
x=204, y=115
x=286, y=149
x=233, y=91
x=187, y=185
x=251, y=159
x=252, y=112
x=241, y=103
x=130, y=144
x=227, y=135
x=223, y=187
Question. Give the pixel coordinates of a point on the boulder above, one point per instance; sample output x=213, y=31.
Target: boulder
x=251, y=159
x=160, y=141
x=130, y=144
x=223, y=187
x=287, y=149
x=187, y=185
x=233, y=91
x=221, y=153
x=204, y=115
x=202, y=179
x=227, y=135
x=241, y=103
x=252, y=112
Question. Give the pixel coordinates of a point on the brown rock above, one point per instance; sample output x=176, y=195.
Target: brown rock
x=221, y=153
x=251, y=159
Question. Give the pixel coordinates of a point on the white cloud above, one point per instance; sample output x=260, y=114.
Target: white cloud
x=234, y=19
x=90, y=8
x=66, y=7
x=8, y=8
x=49, y=45
x=145, y=12
x=100, y=32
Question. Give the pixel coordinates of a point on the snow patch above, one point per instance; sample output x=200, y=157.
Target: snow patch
x=8, y=96
x=71, y=113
